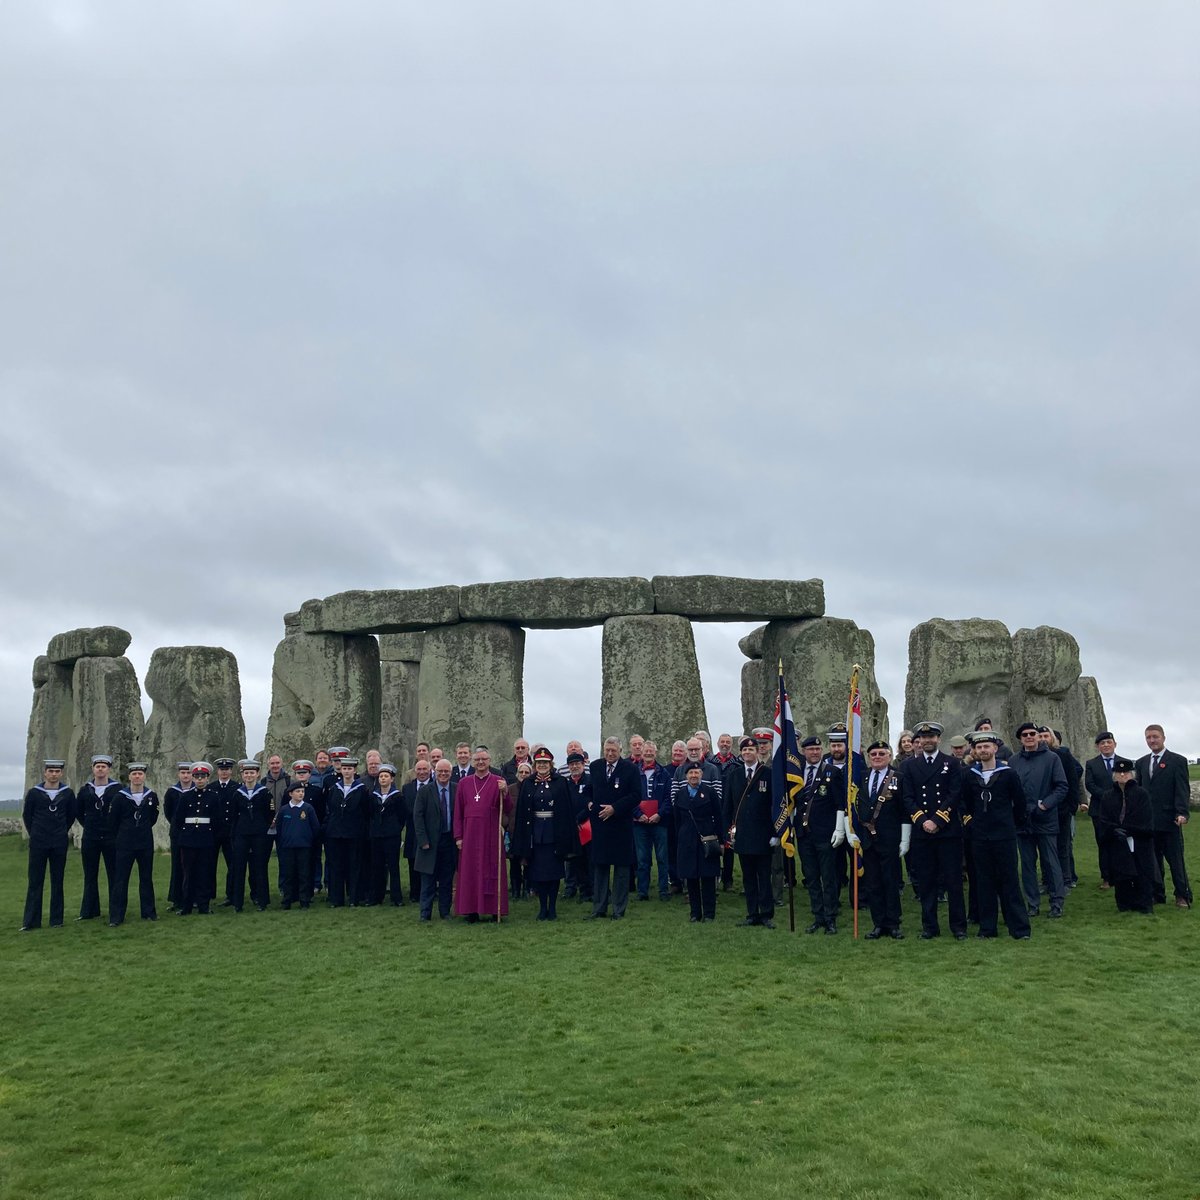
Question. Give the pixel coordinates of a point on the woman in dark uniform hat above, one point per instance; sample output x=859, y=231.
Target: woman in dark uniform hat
x=546, y=833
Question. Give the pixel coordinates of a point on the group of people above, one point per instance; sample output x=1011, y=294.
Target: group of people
x=476, y=835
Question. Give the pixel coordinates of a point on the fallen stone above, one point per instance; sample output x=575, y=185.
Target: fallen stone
x=723, y=598
x=957, y=672
x=471, y=686
x=818, y=657
x=650, y=680
x=324, y=692
x=556, y=603
x=752, y=644
x=104, y=641
x=197, y=713
x=394, y=610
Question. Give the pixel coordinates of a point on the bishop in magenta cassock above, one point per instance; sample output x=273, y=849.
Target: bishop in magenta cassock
x=481, y=890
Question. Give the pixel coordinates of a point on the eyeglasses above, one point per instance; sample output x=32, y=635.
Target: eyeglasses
x=1030, y=733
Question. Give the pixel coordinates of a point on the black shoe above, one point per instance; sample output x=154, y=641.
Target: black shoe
x=748, y=921
x=896, y=935
x=1033, y=912
x=641, y=897
x=594, y=916
x=927, y=936
x=875, y=934
x=1055, y=913
x=27, y=928
x=1021, y=937
x=665, y=896
x=618, y=916
x=285, y=905
x=696, y=919
x=426, y=920
x=225, y=904
x=305, y=904
x=815, y=927
x=985, y=936
x=831, y=928
x=960, y=937
x=767, y=923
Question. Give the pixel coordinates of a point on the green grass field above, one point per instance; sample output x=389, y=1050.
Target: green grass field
x=356, y=1053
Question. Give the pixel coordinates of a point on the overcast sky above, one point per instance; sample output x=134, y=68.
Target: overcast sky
x=300, y=297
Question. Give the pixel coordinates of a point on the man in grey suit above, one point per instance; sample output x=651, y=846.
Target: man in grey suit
x=437, y=858
x=1164, y=774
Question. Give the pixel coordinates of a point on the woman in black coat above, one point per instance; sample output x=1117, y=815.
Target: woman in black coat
x=697, y=808
x=1124, y=817
x=545, y=833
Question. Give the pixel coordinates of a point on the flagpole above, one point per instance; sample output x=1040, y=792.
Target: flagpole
x=851, y=788
x=500, y=884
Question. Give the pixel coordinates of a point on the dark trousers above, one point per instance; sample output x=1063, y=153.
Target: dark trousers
x=727, y=869
x=1041, y=843
x=251, y=851
x=223, y=849
x=385, y=869
x=756, y=883
x=673, y=854
x=997, y=878
x=195, y=864
x=416, y=881
x=440, y=882
x=972, y=882
x=936, y=864
x=315, y=862
x=118, y=901
x=1096, y=832
x=601, y=890
x=1066, y=845
x=295, y=875
x=1168, y=844
x=342, y=854
x=579, y=874
x=39, y=857
x=819, y=864
x=702, y=896
x=881, y=882
x=361, y=893
x=175, y=880
x=92, y=851
x=547, y=894
x=518, y=885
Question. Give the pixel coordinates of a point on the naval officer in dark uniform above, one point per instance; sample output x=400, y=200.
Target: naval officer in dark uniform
x=48, y=814
x=749, y=803
x=931, y=791
x=194, y=818
x=131, y=819
x=93, y=802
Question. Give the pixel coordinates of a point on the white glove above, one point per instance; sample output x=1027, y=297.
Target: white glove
x=774, y=841
x=905, y=838
x=839, y=833
x=853, y=839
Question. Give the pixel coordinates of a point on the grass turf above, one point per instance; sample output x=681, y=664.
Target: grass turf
x=357, y=1053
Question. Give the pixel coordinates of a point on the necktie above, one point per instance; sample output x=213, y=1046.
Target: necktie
x=610, y=771
x=811, y=772
x=874, y=784
x=1108, y=764
x=749, y=774
x=446, y=805
x=1153, y=763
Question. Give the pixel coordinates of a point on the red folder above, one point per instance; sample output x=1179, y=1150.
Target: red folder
x=650, y=808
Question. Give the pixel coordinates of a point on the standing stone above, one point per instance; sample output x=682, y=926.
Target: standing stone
x=471, y=686
x=818, y=658
x=106, y=716
x=399, y=694
x=650, y=680
x=957, y=672
x=324, y=692
x=197, y=713
x=1093, y=719
x=50, y=718
x=1045, y=660
x=752, y=644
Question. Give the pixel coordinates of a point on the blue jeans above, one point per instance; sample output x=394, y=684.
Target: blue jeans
x=648, y=840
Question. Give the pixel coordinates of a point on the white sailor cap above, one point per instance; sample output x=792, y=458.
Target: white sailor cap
x=102, y=758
